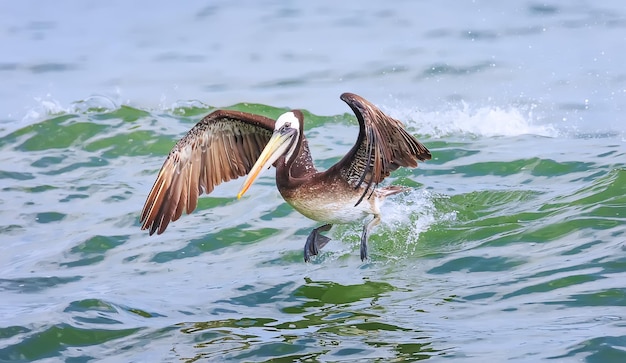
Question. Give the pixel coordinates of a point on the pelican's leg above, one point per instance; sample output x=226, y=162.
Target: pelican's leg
x=315, y=242
x=366, y=231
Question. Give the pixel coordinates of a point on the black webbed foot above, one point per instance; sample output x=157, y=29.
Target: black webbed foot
x=315, y=242
x=364, y=236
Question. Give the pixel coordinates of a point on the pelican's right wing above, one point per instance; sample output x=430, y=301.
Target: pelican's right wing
x=383, y=145
x=222, y=146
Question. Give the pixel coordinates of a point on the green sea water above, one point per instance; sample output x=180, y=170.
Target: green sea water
x=510, y=247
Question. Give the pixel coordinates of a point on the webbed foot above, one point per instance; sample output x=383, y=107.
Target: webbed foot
x=365, y=235
x=315, y=242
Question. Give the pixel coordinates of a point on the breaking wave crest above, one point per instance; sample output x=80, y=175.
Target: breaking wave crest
x=488, y=121
x=462, y=119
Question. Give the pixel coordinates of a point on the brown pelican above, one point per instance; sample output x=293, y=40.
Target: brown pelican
x=228, y=144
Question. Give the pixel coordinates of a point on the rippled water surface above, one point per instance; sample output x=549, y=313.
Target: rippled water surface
x=511, y=245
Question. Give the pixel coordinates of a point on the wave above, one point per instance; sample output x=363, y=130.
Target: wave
x=487, y=121
x=460, y=119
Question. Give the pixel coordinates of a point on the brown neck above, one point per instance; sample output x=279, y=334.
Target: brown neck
x=300, y=165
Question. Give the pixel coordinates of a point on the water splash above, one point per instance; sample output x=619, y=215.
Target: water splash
x=48, y=105
x=187, y=108
x=95, y=103
x=407, y=216
x=486, y=121
x=413, y=210
x=45, y=106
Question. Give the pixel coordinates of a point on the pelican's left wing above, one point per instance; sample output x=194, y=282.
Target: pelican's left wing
x=383, y=145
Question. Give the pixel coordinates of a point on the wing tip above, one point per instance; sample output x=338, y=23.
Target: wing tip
x=346, y=95
x=352, y=99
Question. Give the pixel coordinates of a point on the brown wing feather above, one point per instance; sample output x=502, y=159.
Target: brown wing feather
x=222, y=146
x=383, y=146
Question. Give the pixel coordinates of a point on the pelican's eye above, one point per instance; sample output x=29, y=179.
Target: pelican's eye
x=286, y=127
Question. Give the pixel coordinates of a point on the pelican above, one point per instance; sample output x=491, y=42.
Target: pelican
x=227, y=144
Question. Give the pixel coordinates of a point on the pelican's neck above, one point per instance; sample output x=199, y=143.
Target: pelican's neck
x=289, y=172
x=284, y=165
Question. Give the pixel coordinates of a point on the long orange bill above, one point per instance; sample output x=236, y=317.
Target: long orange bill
x=275, y=148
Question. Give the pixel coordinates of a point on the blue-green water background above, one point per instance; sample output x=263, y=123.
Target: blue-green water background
x=511, y=247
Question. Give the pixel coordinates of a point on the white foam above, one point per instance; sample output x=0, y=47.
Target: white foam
x=181, y=106
x=49, y=106
x=97, y=103
x=415, y=211
x=482, y=121
x=488, y=121
x=45, y=106
x=405, y=216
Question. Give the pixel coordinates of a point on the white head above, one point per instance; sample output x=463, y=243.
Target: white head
x=288, y=123
x=287, y=119
x=283, y=142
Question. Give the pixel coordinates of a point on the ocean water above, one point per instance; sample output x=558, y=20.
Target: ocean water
x=511, y=246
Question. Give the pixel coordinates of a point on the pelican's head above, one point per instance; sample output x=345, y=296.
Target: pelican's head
x=284, y=141
x=288, y=127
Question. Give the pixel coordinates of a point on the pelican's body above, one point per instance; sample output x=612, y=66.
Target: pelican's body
x=317, y=203
x=225, y=143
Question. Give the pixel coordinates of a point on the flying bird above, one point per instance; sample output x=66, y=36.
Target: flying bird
x=226, y=145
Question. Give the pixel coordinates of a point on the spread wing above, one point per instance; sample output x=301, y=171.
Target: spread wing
x=383, y=145
x=222, y=146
